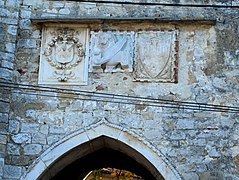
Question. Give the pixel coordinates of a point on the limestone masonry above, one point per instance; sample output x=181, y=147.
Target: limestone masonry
x=156, y=82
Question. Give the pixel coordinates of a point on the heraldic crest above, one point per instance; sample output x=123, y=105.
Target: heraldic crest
x=64, y=52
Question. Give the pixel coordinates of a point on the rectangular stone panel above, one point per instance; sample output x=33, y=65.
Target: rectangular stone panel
x=111, y=51
x=156, y=56
x=64, y=56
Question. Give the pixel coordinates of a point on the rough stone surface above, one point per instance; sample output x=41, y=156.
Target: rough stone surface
x=32, y=149
x=21, y=138
x=12, y=172
x=195, y=142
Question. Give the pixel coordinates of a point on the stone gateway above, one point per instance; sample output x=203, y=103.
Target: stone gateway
x=146, y=87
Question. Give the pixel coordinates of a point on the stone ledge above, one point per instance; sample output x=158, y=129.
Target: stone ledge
x=50, y=19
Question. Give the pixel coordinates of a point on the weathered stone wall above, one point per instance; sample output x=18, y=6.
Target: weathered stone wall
x=208, y=71
x=9, y=13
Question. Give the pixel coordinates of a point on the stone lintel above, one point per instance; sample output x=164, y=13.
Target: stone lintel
x=103, y=19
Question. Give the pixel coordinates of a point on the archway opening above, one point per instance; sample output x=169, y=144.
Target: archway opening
x=99, y=153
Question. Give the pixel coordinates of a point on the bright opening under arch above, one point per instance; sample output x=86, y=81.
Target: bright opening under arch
x=102, y=142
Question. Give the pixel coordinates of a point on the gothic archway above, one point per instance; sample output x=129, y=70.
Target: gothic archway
x=95, y=140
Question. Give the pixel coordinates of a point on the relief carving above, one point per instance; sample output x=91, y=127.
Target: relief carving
x=156, y=56
x=63, y=55
x=63, y=52
x=111, y=51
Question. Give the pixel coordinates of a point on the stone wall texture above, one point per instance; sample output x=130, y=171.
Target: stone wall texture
x=193, y=141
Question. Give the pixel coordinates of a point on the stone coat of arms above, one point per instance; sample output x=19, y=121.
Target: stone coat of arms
x=155, y=56
x=63, y=55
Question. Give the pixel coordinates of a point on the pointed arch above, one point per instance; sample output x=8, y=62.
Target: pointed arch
x=110, y=131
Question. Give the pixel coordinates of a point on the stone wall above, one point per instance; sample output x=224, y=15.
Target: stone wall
x=193, y=141
x=9, y=13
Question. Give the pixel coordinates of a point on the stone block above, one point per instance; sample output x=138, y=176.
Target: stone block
x=90, y=105
x=111, y=106
x=10, y=47
x=39, y=139
x=5, y=74
x=32, y=149
x=27, y=43
x=64, y=11
x=37, y=3
x=31, y=113
x=36, y=34
x=52, y=139
x=58, y=4
x=2, y=150
x=44, y=129
x=13, y=149
x=76, y=105
x=13, y=3
x=1, y=166
x=12, y=21
x=48, y=117
x=25, y=14
x=29, y=127
x=21, y=160
x=12, y=30
x=214, y=153
x=56, y=130
x=7, y=56
x=25, y=24
x=13, y=14
x=3, y=139
x=21, y=138
x=73, y=118
x=14, y=126
x=3, y=128
x=3, y=117
x=3, y=12
x=12, y=172
x=7, y=64
x=211, y=175
x=185, y=124
x=177, y=135
x=51, y=11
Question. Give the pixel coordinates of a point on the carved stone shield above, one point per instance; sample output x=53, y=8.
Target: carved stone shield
x=64, y=52
x=155, y=55
x=63, y=59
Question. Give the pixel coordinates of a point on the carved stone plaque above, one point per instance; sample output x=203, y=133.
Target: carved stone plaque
x=63, y=55
x=111, y=51
x=156, y=56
